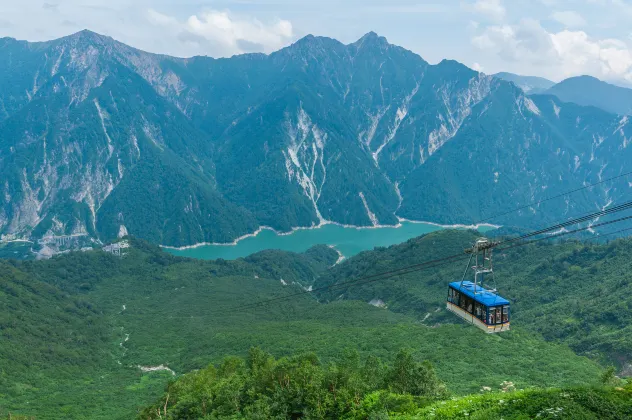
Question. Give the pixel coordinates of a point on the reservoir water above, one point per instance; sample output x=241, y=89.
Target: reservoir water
x=349, y=241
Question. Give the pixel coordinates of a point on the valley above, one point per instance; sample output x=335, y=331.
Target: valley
x=122, y=326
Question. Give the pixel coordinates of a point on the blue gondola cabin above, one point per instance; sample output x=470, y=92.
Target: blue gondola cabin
x=478, y=306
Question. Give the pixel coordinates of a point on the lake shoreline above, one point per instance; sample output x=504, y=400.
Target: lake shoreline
x=341, y=257
x=313, y=227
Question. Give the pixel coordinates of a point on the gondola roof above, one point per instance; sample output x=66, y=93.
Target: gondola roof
x=482, y=295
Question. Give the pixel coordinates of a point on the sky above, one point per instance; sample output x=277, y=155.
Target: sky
x=554, y=39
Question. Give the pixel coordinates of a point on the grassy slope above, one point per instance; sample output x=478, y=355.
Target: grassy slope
x=179, y=313
x=575, y=404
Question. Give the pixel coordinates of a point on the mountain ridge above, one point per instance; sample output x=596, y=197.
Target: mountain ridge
x=361, y=134
x=584, y=90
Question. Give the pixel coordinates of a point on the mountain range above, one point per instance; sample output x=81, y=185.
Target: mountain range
x=100, y=139
x=581, y=90
x=590, y=91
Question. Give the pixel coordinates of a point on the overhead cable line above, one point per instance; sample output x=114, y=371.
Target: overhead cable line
x=571, y=232
x=585, y=218
x=535, y=203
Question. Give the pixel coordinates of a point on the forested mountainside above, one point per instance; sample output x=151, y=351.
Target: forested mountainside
x=573, y=292
x=100, y=139
x=94, y=335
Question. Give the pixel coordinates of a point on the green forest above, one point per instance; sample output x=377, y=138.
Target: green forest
x=260, y=387
x=301, y=386
x=573, y=292
x=92, y=335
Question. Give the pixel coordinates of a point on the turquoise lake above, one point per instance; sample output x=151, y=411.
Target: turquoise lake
x=347, y=240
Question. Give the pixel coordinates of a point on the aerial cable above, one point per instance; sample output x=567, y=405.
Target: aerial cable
x=425, y=266
x=571, y=232
x=378, y=276
x=437, y=262
x=625, y=206
x=535, y=203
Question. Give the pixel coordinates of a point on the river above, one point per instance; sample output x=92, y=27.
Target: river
x=348, y=241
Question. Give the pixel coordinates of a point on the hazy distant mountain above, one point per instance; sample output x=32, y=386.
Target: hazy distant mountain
x=587, y=90
x=530, y=84
x=582, y=90
x=102, y=139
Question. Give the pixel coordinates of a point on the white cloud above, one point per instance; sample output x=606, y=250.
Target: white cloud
x=527, y=41
x=559, y=54
x=477, y=67
x=569, y=18
x=176, y=28
x=609, y=57
x=493, y=9
x=220, y=33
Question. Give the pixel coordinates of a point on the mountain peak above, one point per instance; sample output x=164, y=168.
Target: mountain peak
x=587, y=81
x=85, y=32
x=371, y=38
x=88, y=36
x=370, y=35
x=585, y=77
x=309, y=44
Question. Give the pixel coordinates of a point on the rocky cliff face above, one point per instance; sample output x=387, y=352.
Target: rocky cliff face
x=100, y=138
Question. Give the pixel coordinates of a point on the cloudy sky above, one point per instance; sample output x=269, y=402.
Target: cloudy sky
x=549, y=38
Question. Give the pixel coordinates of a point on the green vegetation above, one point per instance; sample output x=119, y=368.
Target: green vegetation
x=299, y=387
x=89, y=320
x=572, y=404
x=571, y=292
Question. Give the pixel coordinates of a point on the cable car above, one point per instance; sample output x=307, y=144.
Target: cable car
x=473, y=301
x=478, y=306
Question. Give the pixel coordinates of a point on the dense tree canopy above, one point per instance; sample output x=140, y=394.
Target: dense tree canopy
x=92, y=335
x=262, y=387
